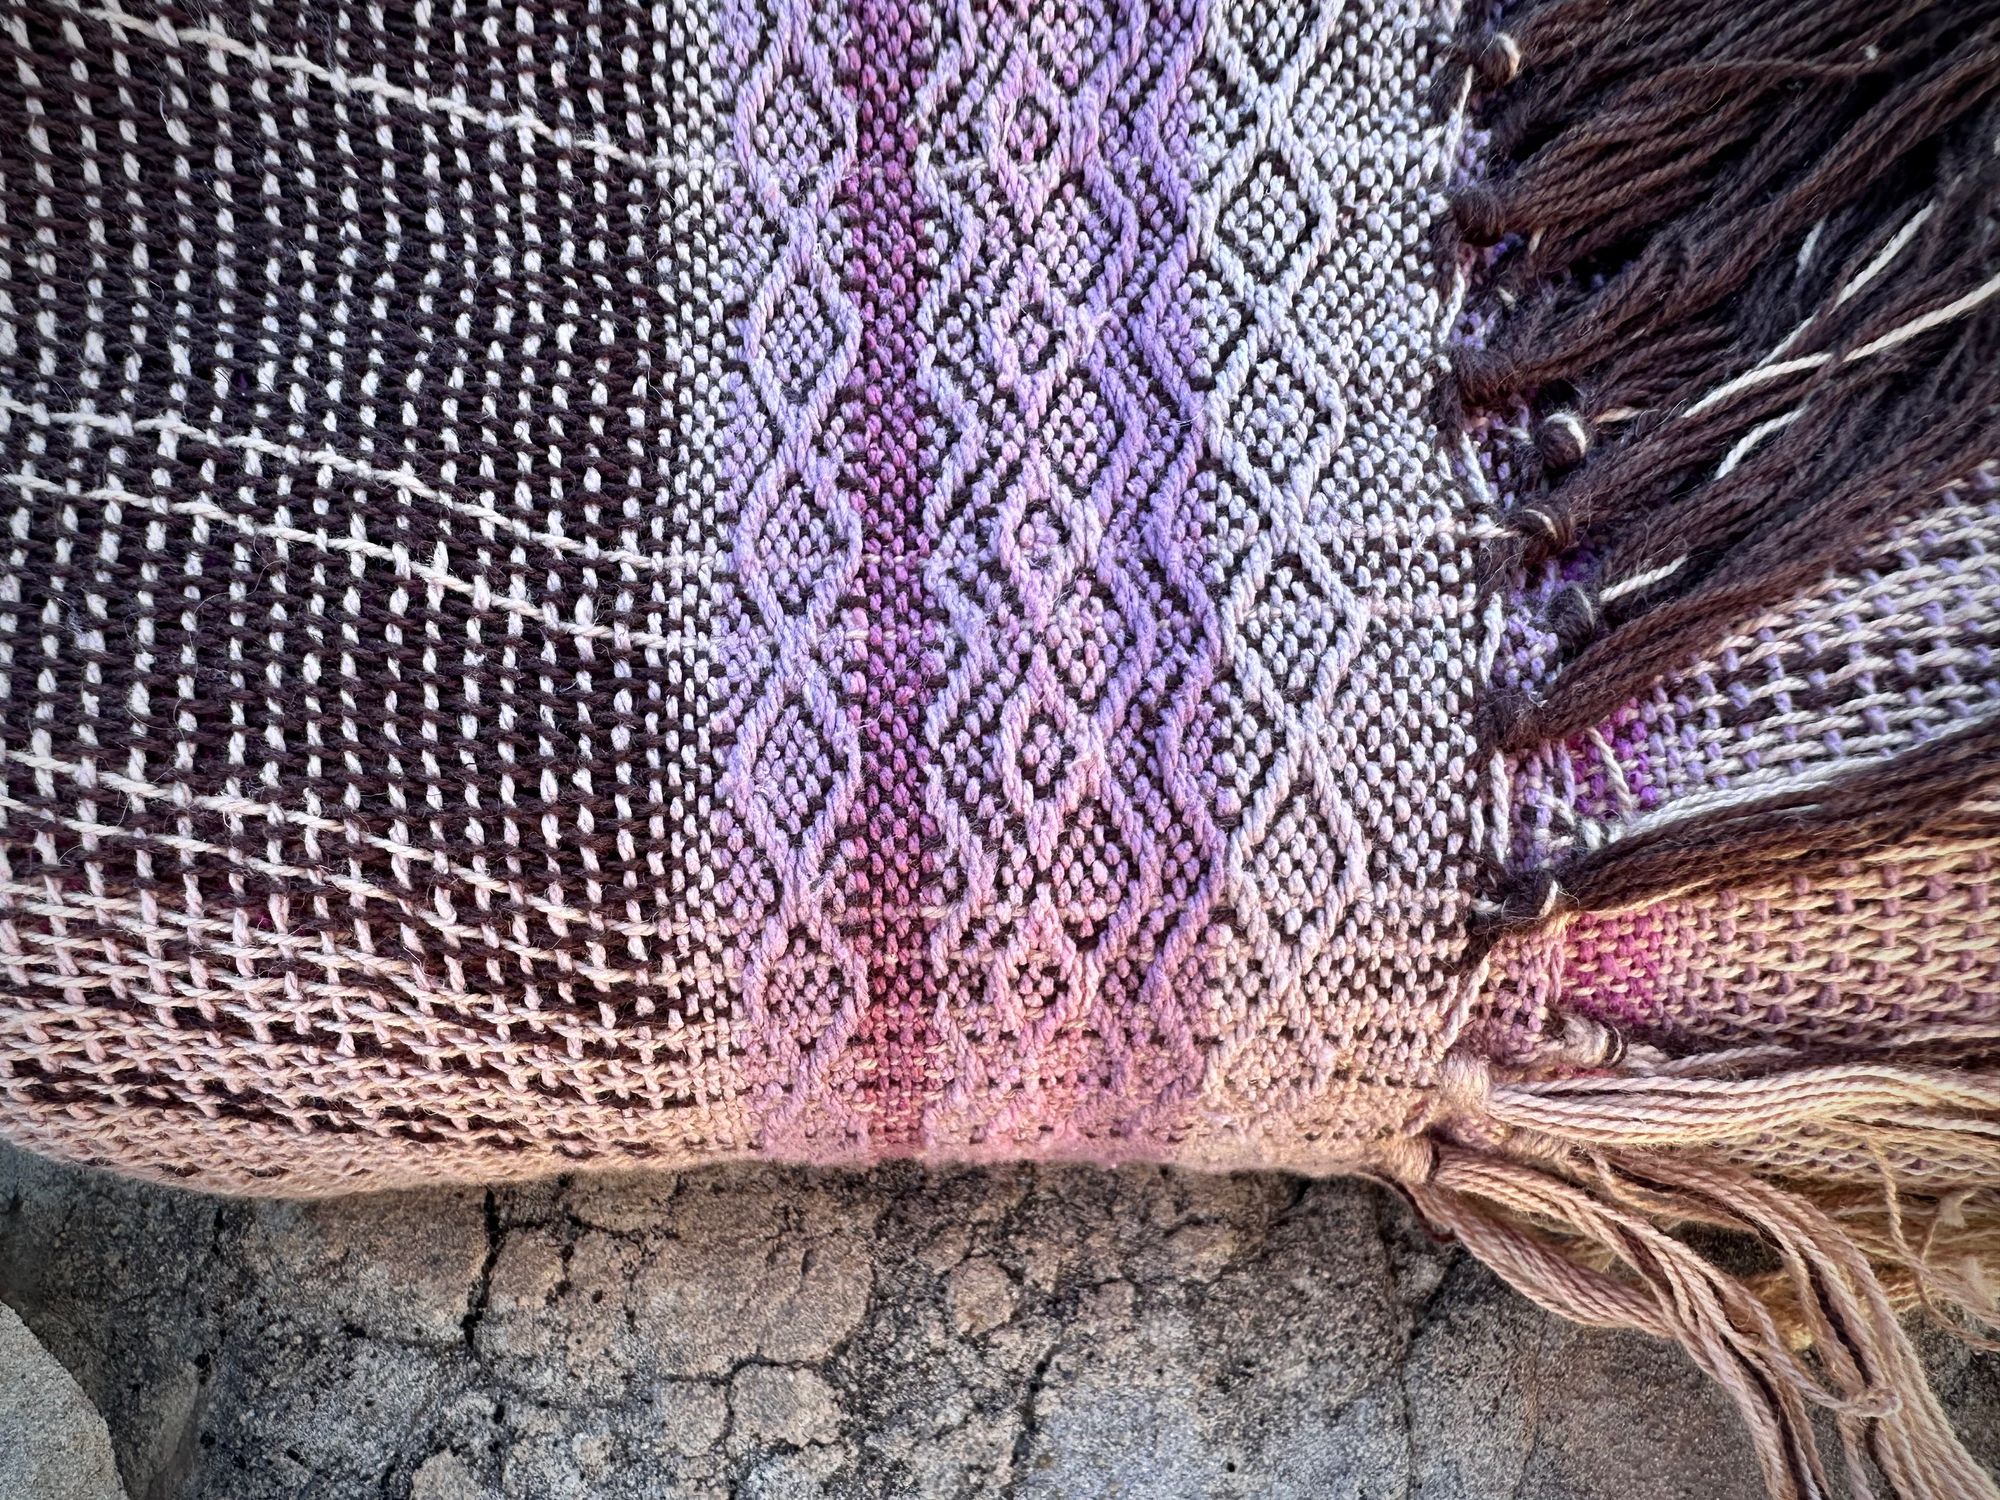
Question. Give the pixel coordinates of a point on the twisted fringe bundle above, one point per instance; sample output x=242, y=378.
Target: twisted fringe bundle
x=1577, y=1189
x=1736, y=271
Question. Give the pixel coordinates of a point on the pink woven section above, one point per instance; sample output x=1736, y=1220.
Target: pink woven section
x=1897, y=951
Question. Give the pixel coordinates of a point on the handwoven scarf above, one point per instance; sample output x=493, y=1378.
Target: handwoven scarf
x=1241, y=583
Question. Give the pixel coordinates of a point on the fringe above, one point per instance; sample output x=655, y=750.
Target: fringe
x=1579, y=1190
x=1928, y=797
x=1935, y=1256
x=1739, y=286
x=1743, y=297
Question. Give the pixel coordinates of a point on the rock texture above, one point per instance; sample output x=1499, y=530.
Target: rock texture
x=759, y=1333
x=53, y=1445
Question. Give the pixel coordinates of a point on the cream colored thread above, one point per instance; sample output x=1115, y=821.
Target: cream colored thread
x=1936, y=318
x=1641, y=580
x=1751, y=439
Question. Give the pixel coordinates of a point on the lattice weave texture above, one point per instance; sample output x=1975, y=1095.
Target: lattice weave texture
x=614, y=582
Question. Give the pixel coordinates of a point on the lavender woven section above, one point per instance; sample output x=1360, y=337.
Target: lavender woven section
x=614, y=582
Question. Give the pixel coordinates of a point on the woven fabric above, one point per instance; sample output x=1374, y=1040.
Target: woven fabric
x=1895, y=650
x=623, y=582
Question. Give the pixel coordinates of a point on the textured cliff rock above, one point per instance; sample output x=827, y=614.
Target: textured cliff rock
x=762, y=1333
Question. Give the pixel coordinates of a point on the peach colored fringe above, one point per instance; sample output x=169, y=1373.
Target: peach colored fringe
x=1575, y=1185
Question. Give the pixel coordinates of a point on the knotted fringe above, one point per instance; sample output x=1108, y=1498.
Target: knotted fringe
x=1580, y=1190
x=1742, y=311
x=1738, y=285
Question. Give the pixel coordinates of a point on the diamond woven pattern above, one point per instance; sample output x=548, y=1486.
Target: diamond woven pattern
x=612, y=582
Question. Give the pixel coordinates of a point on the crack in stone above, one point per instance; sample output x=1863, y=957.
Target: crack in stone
x=1029, y=1408
x=482, y=1292
x=1410, y=1326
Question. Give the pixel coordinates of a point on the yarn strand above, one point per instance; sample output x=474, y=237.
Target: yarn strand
x=1576, y=1189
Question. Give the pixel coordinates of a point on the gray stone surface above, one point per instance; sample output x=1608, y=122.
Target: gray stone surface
x=760, y=1333
x=53, y=1445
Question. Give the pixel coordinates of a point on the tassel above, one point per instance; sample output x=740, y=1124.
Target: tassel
x=1527, y=1220
x=1574, y=1188
x=1739, y=306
